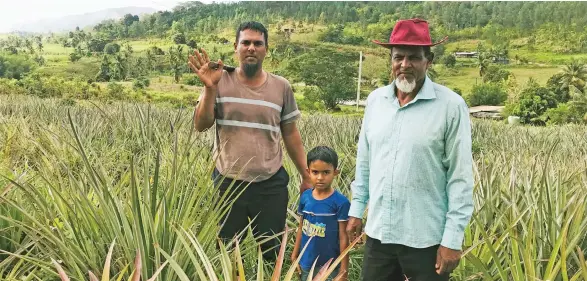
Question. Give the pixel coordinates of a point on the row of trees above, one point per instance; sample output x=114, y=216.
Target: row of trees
x=494, y=21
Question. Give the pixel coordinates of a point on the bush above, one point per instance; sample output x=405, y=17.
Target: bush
x=449, y=61
x=311, y=101
x=97, y=44
x=111, y=48
x=178, y=38
x=73, y=57
x=156, y=51
x=10, y=87
x=193, y=80
x=533, y=103
x=487, y=94
x=562, y=114
x=192, y=44
x=458, y=91
x=14, y=66
x=116, y=91
x=141, y=83
x=495, y=74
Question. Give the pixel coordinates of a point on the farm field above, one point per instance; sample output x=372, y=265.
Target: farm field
x=84, y=169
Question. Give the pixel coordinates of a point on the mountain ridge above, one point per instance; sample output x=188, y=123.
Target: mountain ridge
x=68, y=23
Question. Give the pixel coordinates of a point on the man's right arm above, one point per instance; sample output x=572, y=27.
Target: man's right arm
x=204, y=113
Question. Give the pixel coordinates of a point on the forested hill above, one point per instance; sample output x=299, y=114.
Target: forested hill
x=561, y=23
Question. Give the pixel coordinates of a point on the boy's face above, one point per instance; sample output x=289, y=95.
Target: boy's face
x=322, y=174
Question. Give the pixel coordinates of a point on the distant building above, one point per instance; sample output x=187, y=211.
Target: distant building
x=466, y=54
x=500, y=60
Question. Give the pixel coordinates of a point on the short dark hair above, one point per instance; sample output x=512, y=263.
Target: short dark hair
x=253, y=25
x=427, y=52
x=323, y=153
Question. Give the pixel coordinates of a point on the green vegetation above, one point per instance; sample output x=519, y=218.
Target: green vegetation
x=97, y=146
x=133, y=49
x=74, y=183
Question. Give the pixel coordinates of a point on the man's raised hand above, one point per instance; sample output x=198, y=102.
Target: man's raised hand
x=199, y=65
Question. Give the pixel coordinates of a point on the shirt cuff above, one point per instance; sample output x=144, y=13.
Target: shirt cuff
x=452, y=239
x=357, y=209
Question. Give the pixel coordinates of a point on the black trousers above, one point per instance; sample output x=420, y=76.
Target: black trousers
x=393, y=262
x=264, y=203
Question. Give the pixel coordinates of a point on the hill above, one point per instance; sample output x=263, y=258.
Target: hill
x=68, y=23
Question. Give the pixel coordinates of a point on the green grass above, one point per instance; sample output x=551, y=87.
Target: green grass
x=142, y=45
x=56, y=49
x=86, y=67
x=461, y=46
x=466, y=78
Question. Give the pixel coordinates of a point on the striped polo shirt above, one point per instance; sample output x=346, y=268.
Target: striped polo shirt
x=248, y=133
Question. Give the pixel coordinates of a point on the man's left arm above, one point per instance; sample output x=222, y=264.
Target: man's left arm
x=458, y=161
x=295, y=149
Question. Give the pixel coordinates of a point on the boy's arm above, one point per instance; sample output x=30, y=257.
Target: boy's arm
x=296, y=250
x=344, y=243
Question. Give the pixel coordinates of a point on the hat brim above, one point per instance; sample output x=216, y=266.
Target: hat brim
x=390, y=45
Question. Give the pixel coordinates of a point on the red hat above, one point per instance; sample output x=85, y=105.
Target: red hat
x=412, y=32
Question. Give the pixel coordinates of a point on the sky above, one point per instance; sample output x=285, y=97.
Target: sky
x=19, y=11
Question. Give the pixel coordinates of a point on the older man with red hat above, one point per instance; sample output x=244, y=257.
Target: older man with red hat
x=414, y=168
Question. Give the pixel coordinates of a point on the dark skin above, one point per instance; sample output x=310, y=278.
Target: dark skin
x=411, y=63
x=250, y=49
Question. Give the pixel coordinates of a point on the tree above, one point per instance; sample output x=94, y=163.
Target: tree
x=104, y=72
x=14, y=66
x=333, y=73
x=192, y=44
x=533, y=103
x=39, y=41
x=574, y=73
x=487, y=94
x=177, y=62
x=495, y=74
x=449, y=61
x=97, y=44
x=129, y=19
x=178, y=38
x=111, y=48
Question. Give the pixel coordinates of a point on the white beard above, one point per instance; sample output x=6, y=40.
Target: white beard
x=405, y=86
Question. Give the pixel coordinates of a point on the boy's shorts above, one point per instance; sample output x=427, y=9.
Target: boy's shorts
x=306, y=273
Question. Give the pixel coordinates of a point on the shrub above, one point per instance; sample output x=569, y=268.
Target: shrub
x=193, y=80
x=141, y=83
x=449, y=61
x=73, y=57
x=559, y=115
x=533, y=103
x=14, y=66
x=111, y=48
x=495, y=74
x=487, y=94
x=178, y=38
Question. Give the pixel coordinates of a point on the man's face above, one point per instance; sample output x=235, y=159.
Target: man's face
x=251, y=48
x=409, y=66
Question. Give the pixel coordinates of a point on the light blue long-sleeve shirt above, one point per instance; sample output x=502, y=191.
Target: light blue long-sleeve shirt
x=415, y=168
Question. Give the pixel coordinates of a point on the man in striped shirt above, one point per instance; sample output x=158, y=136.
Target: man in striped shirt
x=253, y=110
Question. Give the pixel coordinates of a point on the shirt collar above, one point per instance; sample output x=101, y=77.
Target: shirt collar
x=426, y=92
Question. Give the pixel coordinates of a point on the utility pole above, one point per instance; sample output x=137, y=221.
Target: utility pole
x=359, y=80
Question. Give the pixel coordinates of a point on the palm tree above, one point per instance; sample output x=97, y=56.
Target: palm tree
x=574, y=74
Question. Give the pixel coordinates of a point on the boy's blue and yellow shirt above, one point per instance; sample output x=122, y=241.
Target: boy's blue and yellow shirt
x=320, y=221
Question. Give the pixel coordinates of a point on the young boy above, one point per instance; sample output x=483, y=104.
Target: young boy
x=323, y=214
